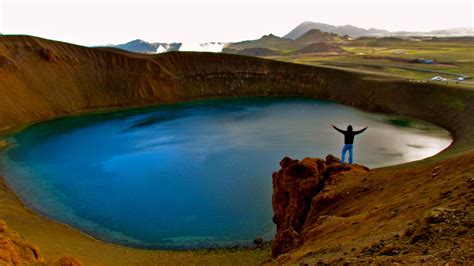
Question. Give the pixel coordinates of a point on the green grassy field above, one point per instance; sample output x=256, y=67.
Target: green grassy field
x=455, y=57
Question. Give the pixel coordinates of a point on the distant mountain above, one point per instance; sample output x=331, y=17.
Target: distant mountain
x=271, y=44
x=354, y=31
x=299, y=38
x=340, y=30
x=141, y=46
x=266, y=41
x=315, y=36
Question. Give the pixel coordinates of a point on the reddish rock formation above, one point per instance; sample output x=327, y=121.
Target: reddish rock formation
x=294, y=187
x=68, y=261
x=14, y=250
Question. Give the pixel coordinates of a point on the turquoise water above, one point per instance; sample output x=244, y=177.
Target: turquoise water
x=195, y=174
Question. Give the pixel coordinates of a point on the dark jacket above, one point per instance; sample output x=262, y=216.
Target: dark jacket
x=349, y=134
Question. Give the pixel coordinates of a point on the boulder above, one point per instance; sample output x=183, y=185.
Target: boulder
x=14, y=250
x=294, y=187
x=68, y=261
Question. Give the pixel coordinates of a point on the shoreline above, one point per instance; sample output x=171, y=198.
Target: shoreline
x=240, y=244
x=197, y=250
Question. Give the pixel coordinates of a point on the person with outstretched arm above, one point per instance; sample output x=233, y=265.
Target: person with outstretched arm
x=348, y=141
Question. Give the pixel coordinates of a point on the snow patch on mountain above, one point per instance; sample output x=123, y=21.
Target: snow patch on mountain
x=215, y=47
x=140, y=46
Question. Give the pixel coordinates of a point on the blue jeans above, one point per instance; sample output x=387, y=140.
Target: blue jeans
x=347, y=147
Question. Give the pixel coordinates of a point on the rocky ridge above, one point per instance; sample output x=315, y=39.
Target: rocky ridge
x=330, y=213
x=296, y=196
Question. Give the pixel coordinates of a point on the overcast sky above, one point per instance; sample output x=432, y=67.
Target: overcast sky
x=97, y=22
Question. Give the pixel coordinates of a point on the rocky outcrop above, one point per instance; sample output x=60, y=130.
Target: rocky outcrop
x=68, y=261
x=14, y=250
x=295, y=187
x=413, y=214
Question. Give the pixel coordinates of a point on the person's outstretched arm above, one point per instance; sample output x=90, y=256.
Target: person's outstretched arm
x=360, y=131
x=340, y=130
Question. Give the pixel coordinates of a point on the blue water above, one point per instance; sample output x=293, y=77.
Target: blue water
x=195, y=174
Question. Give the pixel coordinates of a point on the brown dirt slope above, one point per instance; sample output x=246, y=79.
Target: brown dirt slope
x=42, y=79
x=313, y=36
x=417, y=214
